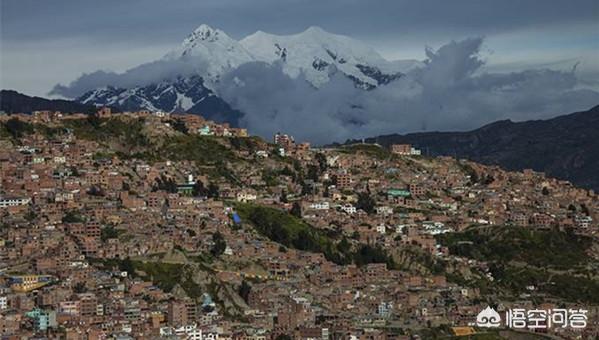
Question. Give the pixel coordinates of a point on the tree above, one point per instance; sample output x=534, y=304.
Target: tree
x=108, y=233
x=199, y=189
x=219, y=246
x=244, y=290
x=313, y=172
x=296, y=210
x=326, y=192
x=79, y=288
x=95, y=191
x=30, y=215
x=18, y=128
x=213, y=191
x=322, y=161
x=180, y=126
x=72, y=216
x=366, y=203
x=306, y=189
x=545, y=191
x=283, y=198
x=127, y=266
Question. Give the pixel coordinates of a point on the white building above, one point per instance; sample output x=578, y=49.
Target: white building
x=348, y=208
x=13, y=201
x=583, y=222
x=320, y=206
x=245, y=196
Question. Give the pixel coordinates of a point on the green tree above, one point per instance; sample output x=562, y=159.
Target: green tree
x=108, y=233
x=180, y=126
x=79, y=288
x=127, y=266
x=313, y=172
x=244, y=291
x=283, y=198
x=296, y=210
x=366, y=203
x=213, y=190
x=219, y=246
x=18, y=128
x=322, y=161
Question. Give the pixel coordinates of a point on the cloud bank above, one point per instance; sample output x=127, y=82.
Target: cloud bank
x=448, y=93
x=451, y=91
x=145, y=74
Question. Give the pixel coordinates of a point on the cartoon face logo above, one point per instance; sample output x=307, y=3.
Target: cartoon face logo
x=488, y=317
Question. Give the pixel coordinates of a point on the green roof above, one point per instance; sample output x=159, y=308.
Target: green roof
x=398, y=192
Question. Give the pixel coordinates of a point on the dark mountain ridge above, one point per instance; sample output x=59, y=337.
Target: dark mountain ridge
x=565, y=147
x=15, y=102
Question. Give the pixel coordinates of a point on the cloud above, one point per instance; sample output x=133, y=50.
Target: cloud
x=144, y=74
x=274, y=102
x=448, y=93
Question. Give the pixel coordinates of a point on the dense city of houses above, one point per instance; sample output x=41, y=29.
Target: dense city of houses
x=74, y=221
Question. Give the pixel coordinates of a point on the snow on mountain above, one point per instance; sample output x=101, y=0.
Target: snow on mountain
x=314, y=51
x=214, y=49
x=183, y=94
x=187, y=77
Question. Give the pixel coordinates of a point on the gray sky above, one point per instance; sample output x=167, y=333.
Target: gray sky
x=49, y=42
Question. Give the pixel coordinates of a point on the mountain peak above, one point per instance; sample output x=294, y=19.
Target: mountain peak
x=315, y=30
x=204, y=33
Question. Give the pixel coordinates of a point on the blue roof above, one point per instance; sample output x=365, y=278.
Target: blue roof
x=236, y=218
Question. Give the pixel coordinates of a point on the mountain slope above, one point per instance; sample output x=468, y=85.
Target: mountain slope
x=15, y=102
x=315, y=52
x=182, y=94
x=565, y=147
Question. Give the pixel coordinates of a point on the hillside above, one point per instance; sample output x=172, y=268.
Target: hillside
x=564, y=147
x=15, y=102
x=226, y=224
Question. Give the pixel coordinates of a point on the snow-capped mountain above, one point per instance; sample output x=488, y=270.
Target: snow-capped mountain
x=207, y=54
x=183, y=94
x=314, y=51
x=212, y=50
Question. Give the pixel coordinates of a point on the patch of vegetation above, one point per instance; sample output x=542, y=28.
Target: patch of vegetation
x=552, y=261
x=203, y=150
x=127, y=132
x=219, y=246
x=469, y=171
x=72, y=216
x=366, y=203
x=164, y=275
x=292, y=232
x=109, y=232
x=288, y=230
x=15, y=128
x=371, y=150
x=250, y=144
x=567, y=286
x=541, y=248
